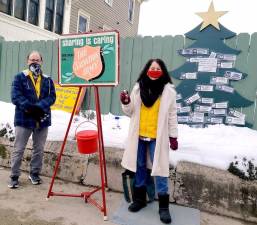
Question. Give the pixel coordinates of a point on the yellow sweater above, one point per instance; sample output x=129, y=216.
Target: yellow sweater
x=36, y=83
x=149, y=120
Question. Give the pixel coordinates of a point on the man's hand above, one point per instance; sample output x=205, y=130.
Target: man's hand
x=36, y=112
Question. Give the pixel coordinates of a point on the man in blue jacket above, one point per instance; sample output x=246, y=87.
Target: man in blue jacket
x=32, y=93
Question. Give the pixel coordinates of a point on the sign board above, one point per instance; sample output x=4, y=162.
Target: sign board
x=66, y=97
x=89, y=59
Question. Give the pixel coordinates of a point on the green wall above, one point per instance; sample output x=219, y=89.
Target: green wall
x=134, y=53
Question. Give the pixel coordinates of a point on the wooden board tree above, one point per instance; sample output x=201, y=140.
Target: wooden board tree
x=206, y=94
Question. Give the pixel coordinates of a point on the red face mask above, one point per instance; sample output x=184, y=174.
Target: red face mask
x=154, y=73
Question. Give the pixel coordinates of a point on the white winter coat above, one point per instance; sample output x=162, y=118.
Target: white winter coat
x=167, y=127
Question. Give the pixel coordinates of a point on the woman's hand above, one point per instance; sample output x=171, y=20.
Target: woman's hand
x=124, y=97
x=173, y=143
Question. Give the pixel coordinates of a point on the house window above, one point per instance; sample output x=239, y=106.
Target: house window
x=109, y=2
x=54, y=15
x=20, y=9
x=83, y=22
x=33, y=12
x=6, y=6
x=59, y=16
x=131, y=7
x=28, y=10
x=49, y=15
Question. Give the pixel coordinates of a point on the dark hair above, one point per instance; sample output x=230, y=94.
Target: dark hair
x=164, y=69
x=34, y=51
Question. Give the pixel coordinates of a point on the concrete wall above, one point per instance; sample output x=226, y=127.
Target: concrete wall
x=215, y=191
x=212, y=190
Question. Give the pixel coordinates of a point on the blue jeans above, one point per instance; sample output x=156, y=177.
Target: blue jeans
x=141, y=173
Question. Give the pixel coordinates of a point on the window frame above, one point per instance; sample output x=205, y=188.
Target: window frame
x=24, y=10
x=38, y=10
x=85, y=15
x=11, y=4
x=53, y=17
x=9, y=7
x=133, y=11
x=53, y=24
x=58, y=14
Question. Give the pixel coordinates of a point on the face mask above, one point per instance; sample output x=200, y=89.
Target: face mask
x=154, y=73
x=35, y=69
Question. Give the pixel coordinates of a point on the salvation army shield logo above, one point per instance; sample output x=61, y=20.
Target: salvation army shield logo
x=88, y=62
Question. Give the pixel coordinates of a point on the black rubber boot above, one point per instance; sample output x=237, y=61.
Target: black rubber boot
x=164, y=208
x=139, y=199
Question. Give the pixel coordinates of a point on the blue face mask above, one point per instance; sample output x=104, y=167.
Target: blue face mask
x=35, y=69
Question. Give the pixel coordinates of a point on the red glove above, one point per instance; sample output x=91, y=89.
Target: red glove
x=173, y=143
x=124, y=98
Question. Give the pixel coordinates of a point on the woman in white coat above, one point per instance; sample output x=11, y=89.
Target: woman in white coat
x=153, y=129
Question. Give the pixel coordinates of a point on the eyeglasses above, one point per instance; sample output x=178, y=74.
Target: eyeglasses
x=35, y=60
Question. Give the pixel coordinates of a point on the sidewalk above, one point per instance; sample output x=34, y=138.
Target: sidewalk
x=27, y=205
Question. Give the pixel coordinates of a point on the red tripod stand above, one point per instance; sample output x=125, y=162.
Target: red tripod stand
x=87, y=196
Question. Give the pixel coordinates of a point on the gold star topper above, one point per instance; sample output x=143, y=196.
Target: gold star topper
x=211, y=17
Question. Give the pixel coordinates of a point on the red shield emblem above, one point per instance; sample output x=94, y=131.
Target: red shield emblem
x=87, y=62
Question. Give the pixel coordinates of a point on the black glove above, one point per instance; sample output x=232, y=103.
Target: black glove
x=36, y=112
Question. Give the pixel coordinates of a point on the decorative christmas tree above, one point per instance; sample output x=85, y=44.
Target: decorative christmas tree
x=206, y=94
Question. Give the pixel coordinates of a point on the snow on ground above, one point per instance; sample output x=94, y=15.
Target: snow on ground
x=214, y=146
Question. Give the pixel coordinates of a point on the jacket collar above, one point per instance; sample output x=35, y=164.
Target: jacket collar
x=26, y=73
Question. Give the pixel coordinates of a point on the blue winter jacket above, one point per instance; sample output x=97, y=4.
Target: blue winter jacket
x=23, y=96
